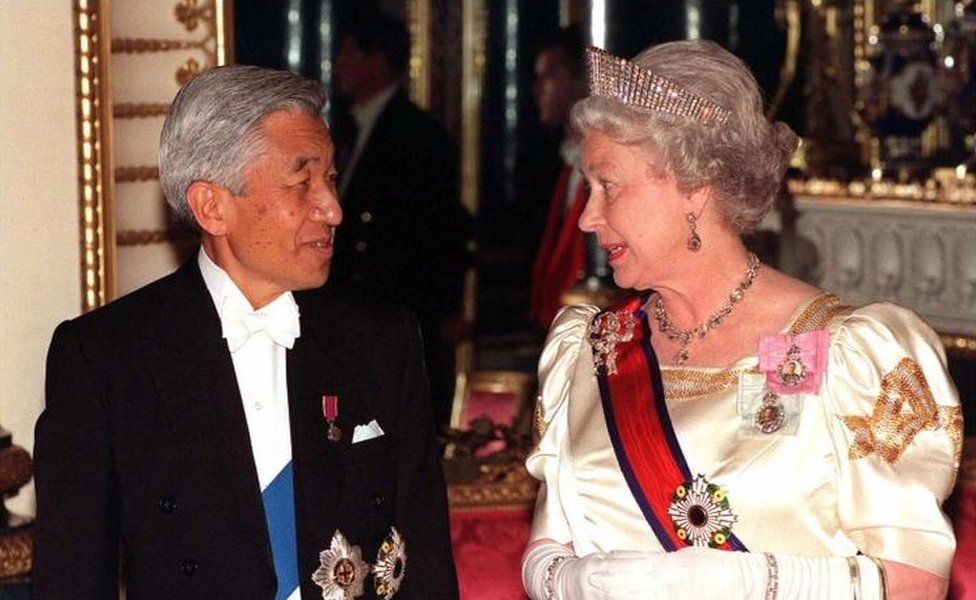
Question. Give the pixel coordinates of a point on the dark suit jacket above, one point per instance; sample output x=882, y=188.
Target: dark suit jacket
x=404, y=229
x=143, y=451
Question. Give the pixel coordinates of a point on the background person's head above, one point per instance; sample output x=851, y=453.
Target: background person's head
x=374, y=52
x=560, y=76
x=741, y=161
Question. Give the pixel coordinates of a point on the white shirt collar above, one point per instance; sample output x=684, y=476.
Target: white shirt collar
x=366, y=114
x=223, y=289
x=569, y=151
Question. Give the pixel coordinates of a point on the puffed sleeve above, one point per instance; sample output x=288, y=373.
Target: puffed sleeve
x=556, y=367
x=896, y=425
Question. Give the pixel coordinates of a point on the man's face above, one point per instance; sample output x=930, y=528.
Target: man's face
x=356, y=71
x=555, y=89
x=279, y=234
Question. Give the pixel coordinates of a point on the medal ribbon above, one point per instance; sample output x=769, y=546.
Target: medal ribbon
x=640, y=429
x=330, y=408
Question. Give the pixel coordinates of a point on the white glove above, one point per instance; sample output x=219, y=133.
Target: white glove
x=707, y=573
x=615, y=575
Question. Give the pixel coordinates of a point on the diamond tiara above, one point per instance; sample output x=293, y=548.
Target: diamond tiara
x=614, y=77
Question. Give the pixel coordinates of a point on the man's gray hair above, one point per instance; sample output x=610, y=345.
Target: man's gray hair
x=212, y=132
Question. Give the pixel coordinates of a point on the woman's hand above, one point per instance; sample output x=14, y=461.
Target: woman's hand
x=551, y=570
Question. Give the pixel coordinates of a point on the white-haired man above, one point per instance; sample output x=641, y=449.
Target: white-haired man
x=215, y=435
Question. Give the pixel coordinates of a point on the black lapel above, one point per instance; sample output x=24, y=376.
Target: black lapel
x=376, y=147
x=319, y=365
x=194, y=374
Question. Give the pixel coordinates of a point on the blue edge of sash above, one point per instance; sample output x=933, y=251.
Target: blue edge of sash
x=279, y=508
x=659, y=528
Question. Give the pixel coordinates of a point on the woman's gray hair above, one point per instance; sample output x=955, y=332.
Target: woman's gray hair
x=212, y=132
x=742, y=160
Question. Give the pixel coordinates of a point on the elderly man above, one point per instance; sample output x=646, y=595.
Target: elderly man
x=220, y=433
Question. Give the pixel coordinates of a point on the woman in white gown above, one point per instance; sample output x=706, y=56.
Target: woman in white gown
x=787, y=445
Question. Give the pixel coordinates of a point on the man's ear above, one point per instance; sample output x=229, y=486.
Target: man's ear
x=209, y=203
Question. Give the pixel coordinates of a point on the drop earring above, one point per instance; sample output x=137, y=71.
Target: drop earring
x=694, y=242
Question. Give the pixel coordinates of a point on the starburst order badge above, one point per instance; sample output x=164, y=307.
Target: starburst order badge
x=391, y=563
x=700, y=513
x=342, y=571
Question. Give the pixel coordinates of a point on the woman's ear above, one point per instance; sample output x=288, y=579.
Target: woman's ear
x=699, y=200
x=209, y=203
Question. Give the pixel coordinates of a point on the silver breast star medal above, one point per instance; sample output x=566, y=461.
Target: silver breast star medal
x=330, y=410
x=391, y=564
x=342, y=571
x=770, y=416
x=792, y=371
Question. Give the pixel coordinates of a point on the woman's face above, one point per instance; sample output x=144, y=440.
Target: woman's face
x=638, y=217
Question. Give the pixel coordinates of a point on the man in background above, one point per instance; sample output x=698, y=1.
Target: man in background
x=234, y=430
x=565, y=255
x=405, y=229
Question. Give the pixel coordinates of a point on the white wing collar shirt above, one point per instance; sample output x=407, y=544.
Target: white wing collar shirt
x=258, y=341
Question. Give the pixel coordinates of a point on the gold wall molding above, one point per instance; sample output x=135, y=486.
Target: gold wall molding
x=188, y=71
x=944, y=187
x=140, y=110
x=190, y=13
x=473, y=32
x=962, y=346
x=136, y=174
x=95, y=161
x=147, y=237
x=144, y=45
x=420, y=21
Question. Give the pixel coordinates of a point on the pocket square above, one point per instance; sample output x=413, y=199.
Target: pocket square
x=366, y=432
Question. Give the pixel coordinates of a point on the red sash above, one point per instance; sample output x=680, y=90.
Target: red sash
x=560, y=262
x=640, y=429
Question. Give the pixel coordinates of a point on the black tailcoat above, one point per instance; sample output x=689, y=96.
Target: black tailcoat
x=142, y=455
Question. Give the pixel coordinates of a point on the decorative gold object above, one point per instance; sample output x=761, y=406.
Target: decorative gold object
x=142, y=45
x=188, y=71
x=889, y=430
x=419, y=18
x=128, y=110
x=190, y=13
x=135, y=174
x=473, y=33
x=614, y=77
x=681, y=384
x=148, y=237
x=945, y=186
x=95, y=157
x=496, y=485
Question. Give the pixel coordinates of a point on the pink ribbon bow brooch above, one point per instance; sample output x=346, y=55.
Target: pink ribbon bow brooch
x=794, y=363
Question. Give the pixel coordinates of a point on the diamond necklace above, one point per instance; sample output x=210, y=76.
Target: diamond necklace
x=686, y=336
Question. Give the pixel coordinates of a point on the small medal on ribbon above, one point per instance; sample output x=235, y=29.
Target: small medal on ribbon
x=330, y=410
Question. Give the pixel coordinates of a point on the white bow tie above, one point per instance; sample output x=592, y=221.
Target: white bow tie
x=278, y=320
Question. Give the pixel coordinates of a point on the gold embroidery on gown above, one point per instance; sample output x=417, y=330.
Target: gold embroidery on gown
x=892, y=425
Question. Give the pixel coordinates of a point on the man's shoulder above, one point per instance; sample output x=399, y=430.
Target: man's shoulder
x=131, y=313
